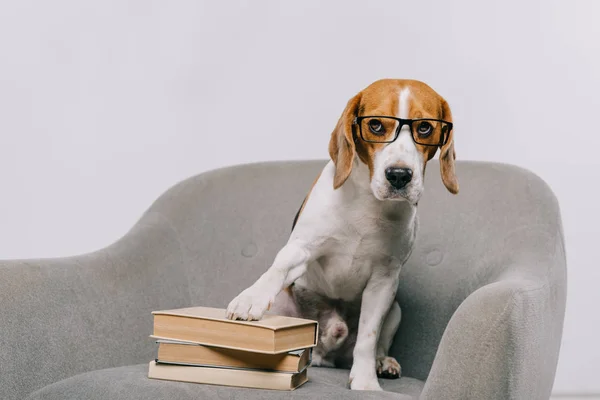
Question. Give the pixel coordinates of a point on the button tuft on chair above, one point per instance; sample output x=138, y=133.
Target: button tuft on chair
x=249, y=250
x=434, y=257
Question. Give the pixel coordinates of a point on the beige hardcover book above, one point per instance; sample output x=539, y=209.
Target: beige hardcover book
x=227, y=377
x=209, y=326
x=197, y=354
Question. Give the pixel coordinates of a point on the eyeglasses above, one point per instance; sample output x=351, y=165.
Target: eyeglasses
x=425, y=131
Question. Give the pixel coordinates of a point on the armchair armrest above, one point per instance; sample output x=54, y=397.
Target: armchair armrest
x=503, y=340
x=60, y=317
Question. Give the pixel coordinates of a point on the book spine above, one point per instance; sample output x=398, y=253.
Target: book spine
x=158, y=361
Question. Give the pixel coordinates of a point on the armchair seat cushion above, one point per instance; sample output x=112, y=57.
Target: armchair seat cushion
x=132, y=383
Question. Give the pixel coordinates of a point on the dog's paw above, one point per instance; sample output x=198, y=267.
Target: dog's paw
x=249, y=305
x=388, y=368
x=361, y=383
x=363, y=380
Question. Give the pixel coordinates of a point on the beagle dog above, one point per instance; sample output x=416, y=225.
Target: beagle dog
x=357, y=225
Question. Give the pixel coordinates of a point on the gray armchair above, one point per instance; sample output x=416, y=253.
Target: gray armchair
x=483, y=294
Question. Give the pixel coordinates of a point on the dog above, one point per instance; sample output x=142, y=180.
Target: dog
x=357, y=225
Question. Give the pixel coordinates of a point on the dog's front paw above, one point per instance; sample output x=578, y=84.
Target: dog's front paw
x=249, y=305
x=361, y=383
x=388, y=368
x=363, y=380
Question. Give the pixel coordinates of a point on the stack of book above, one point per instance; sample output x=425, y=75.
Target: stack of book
x=200, y=345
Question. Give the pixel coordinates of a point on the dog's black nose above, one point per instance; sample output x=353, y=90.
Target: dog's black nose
x=398, y=177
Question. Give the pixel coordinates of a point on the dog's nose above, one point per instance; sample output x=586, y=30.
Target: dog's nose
x=398, y=177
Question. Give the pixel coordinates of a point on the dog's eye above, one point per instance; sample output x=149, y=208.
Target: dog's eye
x=376, y=127
x=424, y=129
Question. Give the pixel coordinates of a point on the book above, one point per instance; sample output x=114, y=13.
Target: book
x=273, y=334
x=227, y=377
x=183, y=353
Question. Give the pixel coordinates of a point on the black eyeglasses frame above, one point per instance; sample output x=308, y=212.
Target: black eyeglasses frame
x=401, y=123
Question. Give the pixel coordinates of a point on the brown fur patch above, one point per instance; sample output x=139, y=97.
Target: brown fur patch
x=341, y=144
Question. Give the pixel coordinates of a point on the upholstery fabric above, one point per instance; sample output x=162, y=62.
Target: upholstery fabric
x=132, y=383
x=482, y=295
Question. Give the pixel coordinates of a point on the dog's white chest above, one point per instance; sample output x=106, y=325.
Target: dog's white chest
x=348, y=258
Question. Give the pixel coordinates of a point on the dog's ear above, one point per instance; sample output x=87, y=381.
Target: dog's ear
x=341, y=145
x=448, y=155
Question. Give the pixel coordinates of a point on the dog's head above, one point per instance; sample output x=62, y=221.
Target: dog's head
x=394, y=127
